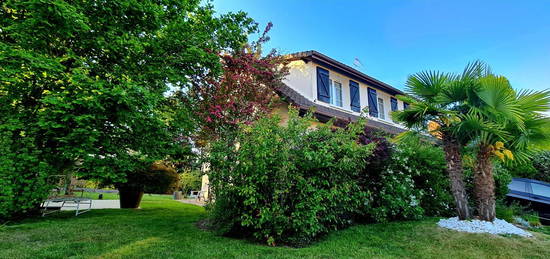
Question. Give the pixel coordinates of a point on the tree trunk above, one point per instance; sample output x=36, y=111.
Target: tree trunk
x=484, y=184
x=456, y=176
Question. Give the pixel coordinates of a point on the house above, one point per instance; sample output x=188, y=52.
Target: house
x=338, y=91
x=335, y=91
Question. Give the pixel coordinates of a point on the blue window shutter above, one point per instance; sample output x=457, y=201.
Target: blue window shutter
x=323, y=89
x=405, y=106
x=373, y=105
x=393, y=104
x=354, y=96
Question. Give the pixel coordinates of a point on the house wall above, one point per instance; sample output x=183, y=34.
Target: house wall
x=281, y=109
x=303, y=78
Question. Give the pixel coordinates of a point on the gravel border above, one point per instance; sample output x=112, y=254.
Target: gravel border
x=497, y=227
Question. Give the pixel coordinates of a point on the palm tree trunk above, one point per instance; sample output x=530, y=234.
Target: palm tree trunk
x=456, y=176
x=484, y=184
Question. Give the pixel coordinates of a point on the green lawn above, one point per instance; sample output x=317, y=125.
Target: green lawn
x=114, y=196
x=166, y=229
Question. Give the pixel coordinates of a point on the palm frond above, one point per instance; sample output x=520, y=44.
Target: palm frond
x=419, y=113
x=426, y=85
x=534, y=101
x=476, y=69
x=498, y=100
x=474, y=126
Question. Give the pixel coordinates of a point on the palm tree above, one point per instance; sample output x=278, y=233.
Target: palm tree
x=425, y=94
x=500, y=123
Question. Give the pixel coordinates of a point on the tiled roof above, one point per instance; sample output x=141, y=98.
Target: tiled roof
x=324, y=113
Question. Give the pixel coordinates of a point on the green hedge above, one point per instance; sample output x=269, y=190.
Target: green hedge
x=286, y=184
x=291, y=184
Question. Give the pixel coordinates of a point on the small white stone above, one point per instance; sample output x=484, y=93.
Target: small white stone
x=497, y=227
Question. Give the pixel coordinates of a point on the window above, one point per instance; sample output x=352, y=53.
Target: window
x=336, y=93
x=517, y=186
x=541, y=190
x=381, y=108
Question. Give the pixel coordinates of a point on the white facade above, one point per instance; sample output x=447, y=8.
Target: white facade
x=303, y=79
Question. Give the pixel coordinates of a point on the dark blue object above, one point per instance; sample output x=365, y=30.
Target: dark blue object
x=373, y=103
x=354, y=96
x=405, y=106
x=533, y=193
x=323, y=88
x=393, y=104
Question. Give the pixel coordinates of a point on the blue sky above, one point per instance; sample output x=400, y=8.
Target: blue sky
x=394, y=39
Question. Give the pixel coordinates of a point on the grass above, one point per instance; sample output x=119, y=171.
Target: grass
x=114, y=196
x=166, y=229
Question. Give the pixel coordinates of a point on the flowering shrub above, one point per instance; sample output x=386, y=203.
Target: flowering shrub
x=243, y=93
x=287, y=184
x=409, y=184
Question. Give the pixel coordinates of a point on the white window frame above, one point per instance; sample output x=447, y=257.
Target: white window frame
x=333, y=89
x=381, y=110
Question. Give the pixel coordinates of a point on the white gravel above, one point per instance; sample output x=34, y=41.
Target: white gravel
x=496, y=227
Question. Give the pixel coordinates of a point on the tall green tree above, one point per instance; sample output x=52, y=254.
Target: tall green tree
x=480, y=111
x=83, y=83
x=500, y=123
x=425, y=90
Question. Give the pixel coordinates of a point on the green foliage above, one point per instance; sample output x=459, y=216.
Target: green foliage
x=158, y=178
x=505, y=212
x=82, y=86
x=287, y=184
x=512, y=211
x=290, y=184
x=412, y=181
x=524, y=170
x=541, y=162
x=425, y=164
x=503, y=177
x=190, y=181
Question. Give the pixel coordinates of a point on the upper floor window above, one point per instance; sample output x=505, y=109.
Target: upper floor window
x=336, y=93
x=381, y=108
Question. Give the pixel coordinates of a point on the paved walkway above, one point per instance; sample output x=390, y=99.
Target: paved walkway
x=115, y=204
x=96, y=204
x=193, y=201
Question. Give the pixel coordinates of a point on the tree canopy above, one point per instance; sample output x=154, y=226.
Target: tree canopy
x=83, y=84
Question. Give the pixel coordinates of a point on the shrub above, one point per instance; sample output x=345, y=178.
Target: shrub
x=524, y=170
x=503, y=177
x=287, y=184
x=410, y=184
x=23, y=179
x=160, y=178
x=542, y=164
x=426, y=165
x=383, y=149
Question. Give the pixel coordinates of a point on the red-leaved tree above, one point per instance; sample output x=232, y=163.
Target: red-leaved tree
x=242, y=93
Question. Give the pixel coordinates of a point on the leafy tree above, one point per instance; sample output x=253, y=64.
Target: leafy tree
x=190, y=181
x=243, y=93
x=82, y=86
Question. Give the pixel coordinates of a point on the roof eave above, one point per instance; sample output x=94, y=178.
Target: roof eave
x=344, y=69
